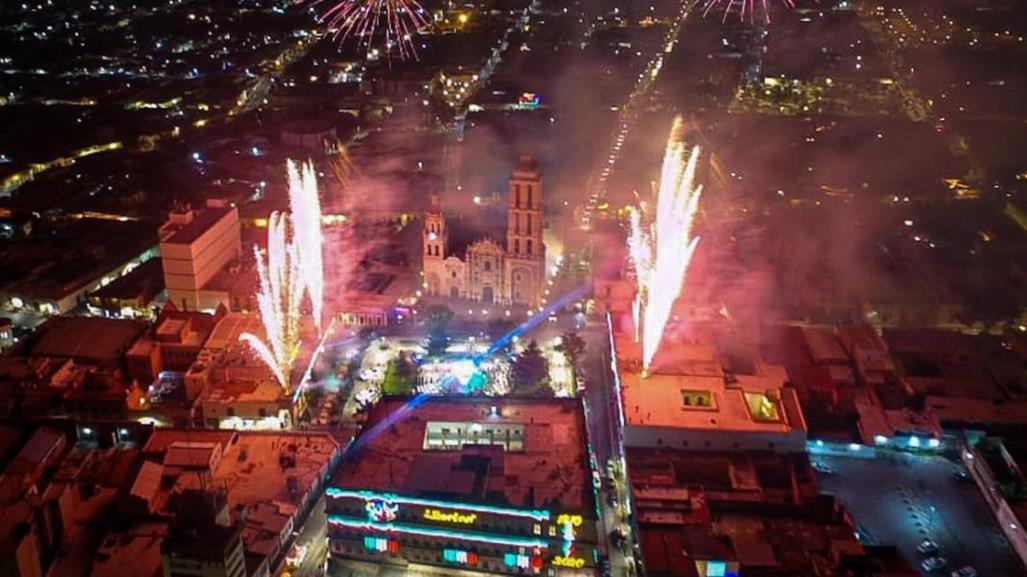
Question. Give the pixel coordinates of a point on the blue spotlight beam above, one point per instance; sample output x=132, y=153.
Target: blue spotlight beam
x=534, y=320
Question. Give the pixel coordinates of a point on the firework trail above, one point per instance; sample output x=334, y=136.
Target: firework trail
x=399, y=19
x=305, y=207
x=281, y=291
x=662, y=251
x=742, y=7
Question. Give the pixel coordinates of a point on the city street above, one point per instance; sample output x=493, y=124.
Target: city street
x=314, y=536
x=602, y=427
x=900, y=499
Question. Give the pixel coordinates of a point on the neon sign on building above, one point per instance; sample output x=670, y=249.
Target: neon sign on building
x=442, y=533
x=533, y=562
x=381, y=511
x=380, y=545
x=460, y=556
x=535, y=514
x=440, y=516
x=572, y=562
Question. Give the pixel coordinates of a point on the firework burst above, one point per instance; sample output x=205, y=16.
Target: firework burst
x=397, y=20
x=281, y=292
x=293, y=268
x=305, y=208
x=662, y=250
x=743, y=8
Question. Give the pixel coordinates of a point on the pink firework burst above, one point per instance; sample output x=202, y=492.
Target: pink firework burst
x=397, y=20
x=744, y=8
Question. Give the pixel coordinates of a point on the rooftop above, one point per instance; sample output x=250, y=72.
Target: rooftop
x=691, y=391
x=134, y=552
x=540, y=461
x=87, y=339
x=254, y=466
x=187, y=232
x=145, y=282
x=748, y=509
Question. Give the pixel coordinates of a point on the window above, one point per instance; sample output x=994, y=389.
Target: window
x=453, y=274
x=529, y=196
x=517, y=195
x=530, y=247
x=262, y=411
x=517, y=245
x=230, y=412
x=529, y=223
x=488, y=266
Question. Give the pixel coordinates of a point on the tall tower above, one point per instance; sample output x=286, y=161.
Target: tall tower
x=434, y=241
x=525, y=253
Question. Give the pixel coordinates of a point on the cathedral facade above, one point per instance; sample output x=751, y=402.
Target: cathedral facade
x=488, y=270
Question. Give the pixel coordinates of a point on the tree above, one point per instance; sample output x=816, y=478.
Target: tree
x=438, y=341
x=530, y=371
x=400, y=376
x=572, y=346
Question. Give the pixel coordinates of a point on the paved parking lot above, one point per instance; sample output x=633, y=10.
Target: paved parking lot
x=900, y=499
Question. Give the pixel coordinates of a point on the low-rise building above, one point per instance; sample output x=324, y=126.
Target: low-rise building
x=689, y=401
x=467, y=486
x=707, y=514
x=238, y=390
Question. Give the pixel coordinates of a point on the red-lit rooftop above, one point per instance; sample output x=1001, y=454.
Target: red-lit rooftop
x=528, y=453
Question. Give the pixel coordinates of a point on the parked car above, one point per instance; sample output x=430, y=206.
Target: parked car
x=931, y=564
x=967, y=571
x=822, y=468
x=927, y=547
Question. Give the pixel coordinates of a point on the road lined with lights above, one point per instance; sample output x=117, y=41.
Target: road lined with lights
x=628, y=115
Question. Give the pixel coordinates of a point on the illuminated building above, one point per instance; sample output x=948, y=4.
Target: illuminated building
x=239, y=391
x=689, y=401
x=453, y=484
x=491, y=271
x=195, y=245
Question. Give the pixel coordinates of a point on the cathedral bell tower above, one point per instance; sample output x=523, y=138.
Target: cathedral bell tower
x=434, y=241
x=525, y=253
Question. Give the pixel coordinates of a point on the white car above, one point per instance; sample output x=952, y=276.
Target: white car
x=931, y=564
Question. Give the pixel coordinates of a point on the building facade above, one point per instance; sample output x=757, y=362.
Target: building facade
x=195, y=246
x=458, y=486
x=487, y=271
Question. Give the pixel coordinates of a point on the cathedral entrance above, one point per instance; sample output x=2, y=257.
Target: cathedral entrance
x=486, y=294
x=454, y=292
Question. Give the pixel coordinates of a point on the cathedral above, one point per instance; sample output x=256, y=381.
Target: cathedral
x=485, y=270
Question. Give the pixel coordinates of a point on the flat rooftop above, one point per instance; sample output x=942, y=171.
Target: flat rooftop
x=202, y=220
x=226, y=333
x=146, y=281
x=528, y=453
x=87, y=339
x=691, y=391
x=255, y=466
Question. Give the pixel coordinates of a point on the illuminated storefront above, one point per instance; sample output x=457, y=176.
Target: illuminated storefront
x=372, y=526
